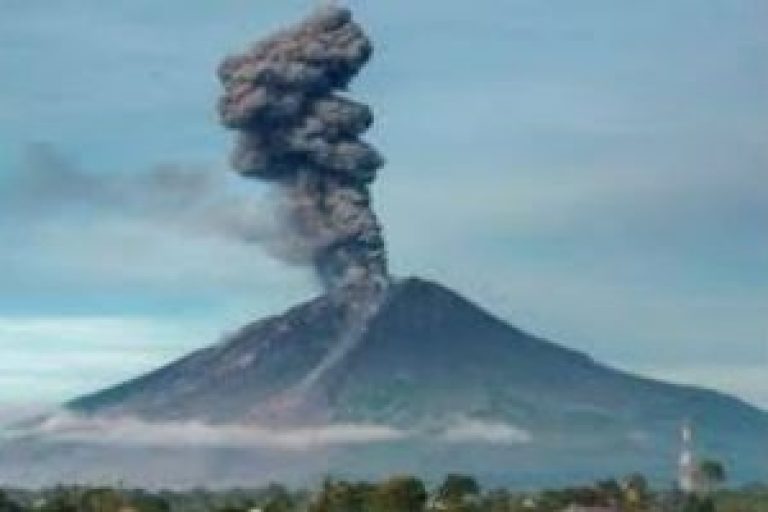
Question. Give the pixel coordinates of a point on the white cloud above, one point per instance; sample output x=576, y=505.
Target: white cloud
x=472, y=430
x=66, y=426
x=63, y=426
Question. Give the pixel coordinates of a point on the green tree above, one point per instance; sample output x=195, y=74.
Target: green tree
x=341, y=496
x=502, y=500
x=278, y=499
x=101, y=500
x=458, y=493
x=695, y=503
x=400, y=494
x=150, y=503
x=7, y=504
x=60, y=503
x=456, y=488
x=712, y=473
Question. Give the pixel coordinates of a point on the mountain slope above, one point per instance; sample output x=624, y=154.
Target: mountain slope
x=426, y=355
x=430, y=353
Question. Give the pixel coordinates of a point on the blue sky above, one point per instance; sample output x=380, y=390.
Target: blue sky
x=595, y=172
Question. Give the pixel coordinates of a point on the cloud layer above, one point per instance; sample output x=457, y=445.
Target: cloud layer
x=470, y=430
x=64, y=426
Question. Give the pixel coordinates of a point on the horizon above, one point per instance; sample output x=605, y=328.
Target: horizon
x=593, y=175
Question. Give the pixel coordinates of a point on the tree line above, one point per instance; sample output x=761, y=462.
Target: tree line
x=400, y=493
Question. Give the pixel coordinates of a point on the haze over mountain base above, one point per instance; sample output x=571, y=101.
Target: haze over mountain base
x=430, y=384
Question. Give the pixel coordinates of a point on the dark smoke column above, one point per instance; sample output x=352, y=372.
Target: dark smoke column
x=297, y=130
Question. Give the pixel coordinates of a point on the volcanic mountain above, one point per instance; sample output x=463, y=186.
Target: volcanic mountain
x=427, y=355
x=463, y=389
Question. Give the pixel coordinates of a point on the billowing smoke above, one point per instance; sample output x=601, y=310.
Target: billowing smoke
x=296, y=129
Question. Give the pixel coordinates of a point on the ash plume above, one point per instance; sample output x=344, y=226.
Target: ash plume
x=49, y=186
x=284, y=97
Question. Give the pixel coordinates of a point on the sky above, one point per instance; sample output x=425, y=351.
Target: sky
x=593, y=172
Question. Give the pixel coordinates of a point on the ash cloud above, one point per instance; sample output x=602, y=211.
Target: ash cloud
x=193, y=201
x=296, y=129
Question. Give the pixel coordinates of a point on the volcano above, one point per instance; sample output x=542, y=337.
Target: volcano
x=426, y=356
x=463, y=389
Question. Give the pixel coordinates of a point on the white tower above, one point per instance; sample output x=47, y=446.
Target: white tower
x=687, y=464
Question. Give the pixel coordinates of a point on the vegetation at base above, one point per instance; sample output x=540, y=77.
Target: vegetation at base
x=402, y=493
